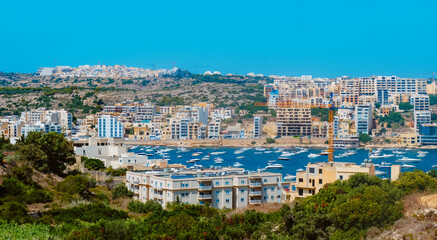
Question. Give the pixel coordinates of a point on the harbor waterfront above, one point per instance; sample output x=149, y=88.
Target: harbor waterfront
x=288, y=161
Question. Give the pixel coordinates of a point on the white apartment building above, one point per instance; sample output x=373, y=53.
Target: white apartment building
x=214, y=127
x=421, y=118
x=222, y=188
x=144, y=113
x=110, y=127
x=257, y=126
x=42, y=115
x=363, y=118
x=420, y=102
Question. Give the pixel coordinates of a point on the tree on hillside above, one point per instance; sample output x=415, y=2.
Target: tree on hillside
x=405, y=106
x=48, y=152
x=364, y=138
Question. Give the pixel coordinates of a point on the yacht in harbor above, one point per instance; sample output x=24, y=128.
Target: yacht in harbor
x=217, y=153
x=381, y=156
x=408, y=160
x=237, y=164
x=283, y=158
x=289, y=177
x=407, y=166
x=274, y=166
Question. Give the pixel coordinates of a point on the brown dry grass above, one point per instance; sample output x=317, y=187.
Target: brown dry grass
x=429, y=201
x=264, y=208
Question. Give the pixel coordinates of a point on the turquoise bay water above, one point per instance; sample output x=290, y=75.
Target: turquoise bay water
x=255, y=159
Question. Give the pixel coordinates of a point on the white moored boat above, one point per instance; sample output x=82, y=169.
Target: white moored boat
x=274, y=166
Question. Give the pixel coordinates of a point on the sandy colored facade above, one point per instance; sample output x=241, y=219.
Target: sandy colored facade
x=316, y=175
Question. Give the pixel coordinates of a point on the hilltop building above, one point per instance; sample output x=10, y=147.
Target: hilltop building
x=220, y=188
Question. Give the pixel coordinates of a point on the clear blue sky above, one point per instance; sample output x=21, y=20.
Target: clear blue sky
x=290, y=37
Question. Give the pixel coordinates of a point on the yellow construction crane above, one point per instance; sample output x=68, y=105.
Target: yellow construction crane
x=330, y=107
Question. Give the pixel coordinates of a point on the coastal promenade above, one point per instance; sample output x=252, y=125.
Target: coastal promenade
x=260, y=142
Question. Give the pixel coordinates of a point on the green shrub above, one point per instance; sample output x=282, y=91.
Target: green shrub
x=116, y=172
x=87, y=213
x=416, y=181
x=93, y=164
x=121, y=191
x=76, y=184
x=270, y=140
x=149, y=206
x=14, y=212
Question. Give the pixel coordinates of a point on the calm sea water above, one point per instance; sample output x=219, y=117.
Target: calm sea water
x=255, y=159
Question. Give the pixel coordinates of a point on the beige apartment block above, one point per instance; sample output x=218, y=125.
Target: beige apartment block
x=293, y=122
x=316, y=175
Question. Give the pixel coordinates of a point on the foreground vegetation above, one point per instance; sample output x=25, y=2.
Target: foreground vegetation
x=75, y=207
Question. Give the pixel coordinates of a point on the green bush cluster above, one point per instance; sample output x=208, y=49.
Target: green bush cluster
x=121, y=191
x=149, y=206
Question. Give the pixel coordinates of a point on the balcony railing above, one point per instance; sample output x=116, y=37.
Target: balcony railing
x=204, y=196
x=205, y=187
x=253, y=193
x=255, y=201
x=254, y=184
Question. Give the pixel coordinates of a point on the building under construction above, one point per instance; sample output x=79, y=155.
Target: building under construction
x=293, y=121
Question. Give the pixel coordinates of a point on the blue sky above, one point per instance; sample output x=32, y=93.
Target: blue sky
x=317, y=37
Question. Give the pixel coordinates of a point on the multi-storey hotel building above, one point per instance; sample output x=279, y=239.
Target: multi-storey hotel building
x=220, y=188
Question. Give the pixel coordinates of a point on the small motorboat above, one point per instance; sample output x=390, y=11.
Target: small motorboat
x=409, y=160
x=289, y=177
x=325, y=152
x=274, y=166
x=300, y=170
x=237, y=164
x=240, y=157
x=407, y=166
x=217, y=153
x=193, y=160
x=312, y=155
x=385, y=165
x=283, y=159
x=377, y=172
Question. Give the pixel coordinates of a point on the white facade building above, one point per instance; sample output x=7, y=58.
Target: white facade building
x=224, y=188
x=110, y=127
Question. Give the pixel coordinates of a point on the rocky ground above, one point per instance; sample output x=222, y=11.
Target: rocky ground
x=420, y=221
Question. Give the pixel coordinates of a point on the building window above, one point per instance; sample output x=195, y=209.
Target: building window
x=265, y=189
x=242, y=190
x=227, y=192
x=265, y=180
x=242, y=199
x=311, y=170
x=341, y=177
x=217, y=201
x=300, y=179
x=272, y=197
x=227, y=200
x=300, y=191
x=242, y=181
x=273, y=189
x=265, y=197
x=320, y=171
x=320, y=181
x=226, y=183
x=217, y=183
x=217, y=192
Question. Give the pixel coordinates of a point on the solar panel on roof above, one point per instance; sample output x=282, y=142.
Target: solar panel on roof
x=182, y=176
